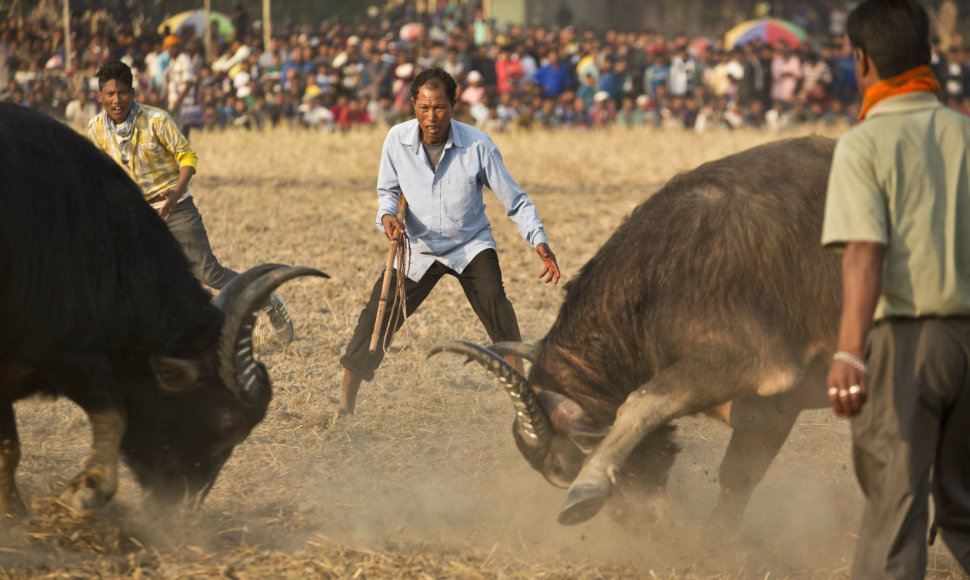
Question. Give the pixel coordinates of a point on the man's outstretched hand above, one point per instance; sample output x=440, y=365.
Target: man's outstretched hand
x=550, y=268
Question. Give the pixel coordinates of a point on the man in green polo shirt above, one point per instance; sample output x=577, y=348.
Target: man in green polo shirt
x=898, y=206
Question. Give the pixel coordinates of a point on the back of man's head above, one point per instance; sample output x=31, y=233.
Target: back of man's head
x=893, y=33
x=114, y=70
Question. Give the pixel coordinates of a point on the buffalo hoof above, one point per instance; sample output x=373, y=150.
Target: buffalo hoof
x=86, y=492
x=588, y=493
x=13, y=506
x=583, y=501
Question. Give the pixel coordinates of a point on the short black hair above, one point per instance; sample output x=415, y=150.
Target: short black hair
x=895, y=34
x=435, y=78
x=115, y=70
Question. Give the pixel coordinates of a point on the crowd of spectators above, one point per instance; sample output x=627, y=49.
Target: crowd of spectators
x=338, y=76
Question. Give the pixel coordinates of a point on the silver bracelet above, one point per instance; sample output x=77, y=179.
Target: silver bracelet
x=852, y=360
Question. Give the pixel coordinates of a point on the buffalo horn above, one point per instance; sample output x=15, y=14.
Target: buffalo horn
x=530, y=419
x=525, y=350
x=231, y=291
x=237, y=363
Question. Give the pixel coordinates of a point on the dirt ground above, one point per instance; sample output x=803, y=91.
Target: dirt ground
x=425, y=481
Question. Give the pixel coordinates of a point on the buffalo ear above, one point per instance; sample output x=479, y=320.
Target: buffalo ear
x=175, y=374
x=587, y=434
x=569, y=418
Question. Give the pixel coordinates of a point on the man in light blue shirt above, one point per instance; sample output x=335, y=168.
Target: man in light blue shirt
x=440, y=166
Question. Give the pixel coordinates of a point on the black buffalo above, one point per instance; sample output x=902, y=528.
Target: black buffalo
x=714, y=296
x=99, y=306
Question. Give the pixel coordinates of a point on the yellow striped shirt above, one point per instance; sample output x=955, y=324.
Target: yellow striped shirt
x=156, y=149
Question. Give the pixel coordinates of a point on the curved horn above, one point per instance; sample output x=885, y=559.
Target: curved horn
x=526, y=350
x=530, y=419
x=237, y=365
x=231, y=291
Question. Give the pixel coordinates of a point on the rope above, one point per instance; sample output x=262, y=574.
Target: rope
x=399, y=308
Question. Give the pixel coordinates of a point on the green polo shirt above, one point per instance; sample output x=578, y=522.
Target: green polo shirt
x=902, y=178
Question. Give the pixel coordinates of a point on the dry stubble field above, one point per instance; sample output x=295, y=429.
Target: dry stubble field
x=425, y=481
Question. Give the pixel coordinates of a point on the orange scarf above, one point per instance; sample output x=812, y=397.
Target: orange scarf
x=918, y=79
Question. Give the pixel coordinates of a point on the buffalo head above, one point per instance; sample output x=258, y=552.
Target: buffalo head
x=551, y=430
x=177, y=444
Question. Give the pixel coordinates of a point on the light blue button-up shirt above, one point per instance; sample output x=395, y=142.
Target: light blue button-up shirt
x=445, y=218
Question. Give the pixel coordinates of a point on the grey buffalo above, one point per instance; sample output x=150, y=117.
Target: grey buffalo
x=714, y=296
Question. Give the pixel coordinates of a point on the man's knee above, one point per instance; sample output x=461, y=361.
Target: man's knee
x=493, y=296
x=214, y=274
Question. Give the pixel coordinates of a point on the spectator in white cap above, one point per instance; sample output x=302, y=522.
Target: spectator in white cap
x=647, y=109
x=474, y=93
x=600, y=116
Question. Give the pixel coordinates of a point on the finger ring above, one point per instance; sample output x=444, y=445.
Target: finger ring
x=855, y=390
x=844, y=393
x=833, y=391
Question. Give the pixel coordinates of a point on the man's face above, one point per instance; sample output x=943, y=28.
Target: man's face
x=433, y=111
x=116, y=98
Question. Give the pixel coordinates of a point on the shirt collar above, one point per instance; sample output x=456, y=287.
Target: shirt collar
x=905, y=103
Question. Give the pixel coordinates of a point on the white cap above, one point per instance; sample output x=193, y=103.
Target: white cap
x=474, y=77
x=601, y=96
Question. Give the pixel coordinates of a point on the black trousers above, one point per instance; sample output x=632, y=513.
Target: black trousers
x=482, y=282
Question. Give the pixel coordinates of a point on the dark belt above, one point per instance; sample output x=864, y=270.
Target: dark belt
x=156, y=199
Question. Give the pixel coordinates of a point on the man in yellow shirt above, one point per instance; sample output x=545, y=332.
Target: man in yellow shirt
x=145, y=141
x=898, y=206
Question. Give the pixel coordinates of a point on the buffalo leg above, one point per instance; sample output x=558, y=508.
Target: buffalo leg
x=97, y=483
x=760, y=426
x=684, y=388
x=640, y=501
x=10, y=502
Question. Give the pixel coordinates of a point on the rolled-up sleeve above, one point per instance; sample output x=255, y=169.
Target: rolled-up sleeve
x=388, y=183
x=518, y=206
x=176, y=143
x=855, y=205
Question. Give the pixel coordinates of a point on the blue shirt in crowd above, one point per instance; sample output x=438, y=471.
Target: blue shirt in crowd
x=446, y=219
x=554, y=79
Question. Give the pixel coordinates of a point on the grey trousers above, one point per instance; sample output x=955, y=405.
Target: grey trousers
x=913, y=438
x=186, y=225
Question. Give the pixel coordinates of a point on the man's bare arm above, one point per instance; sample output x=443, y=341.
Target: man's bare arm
x=861, y=285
